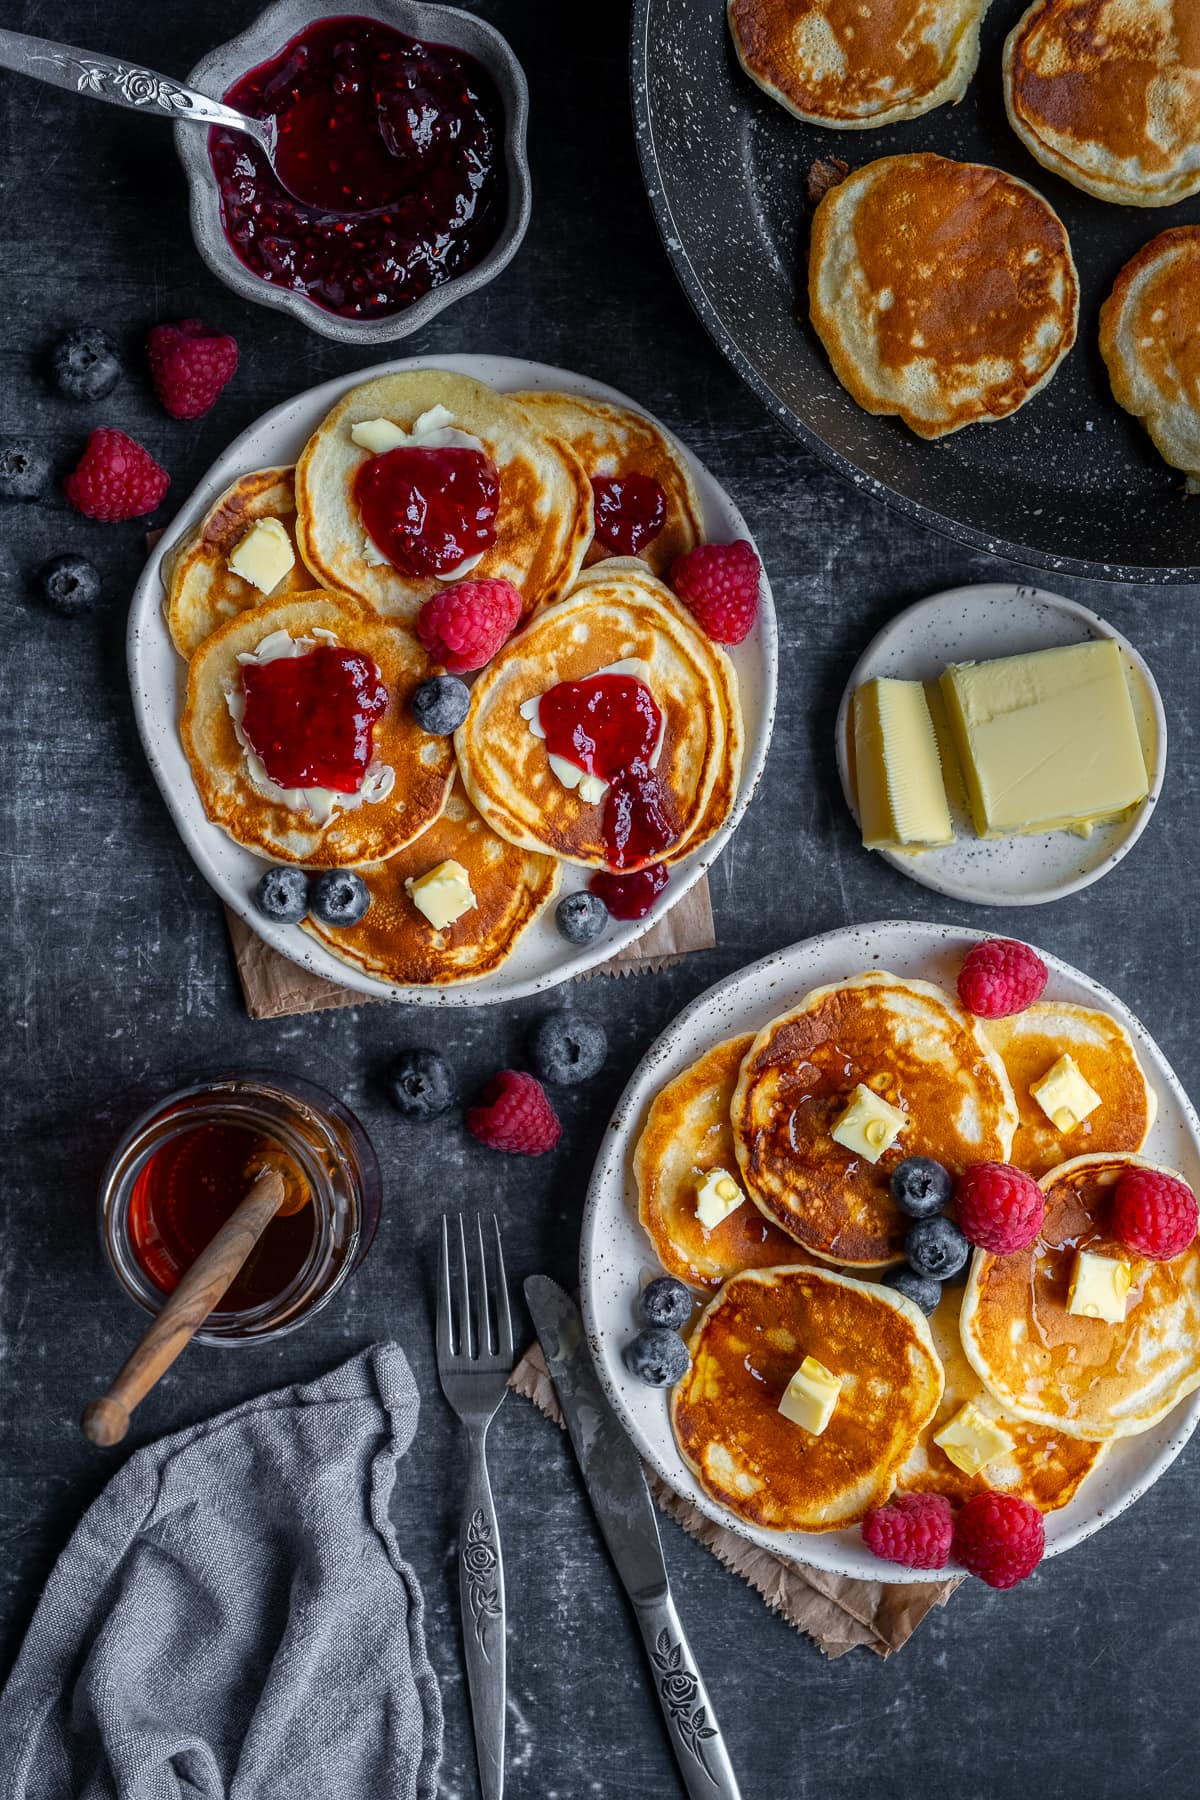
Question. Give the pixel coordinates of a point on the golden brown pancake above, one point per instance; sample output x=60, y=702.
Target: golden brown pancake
x=396, y=943
x=944, y=292
x=909, y=1042
x=1102, y=1050
x=423, y=766
x=746, y=1348
x=686, y=1135
x=852, y=66
x=1084, y=1377
x=1150, y=341
x=1107, y=94
x=202, y=591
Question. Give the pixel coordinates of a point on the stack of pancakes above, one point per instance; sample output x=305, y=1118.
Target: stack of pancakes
x=486, y=799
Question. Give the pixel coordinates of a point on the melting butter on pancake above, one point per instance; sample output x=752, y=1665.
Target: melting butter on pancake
x=1106, y=93
x=202, y=591
x=745, y=1349
x=905, y=1040
x=250, y=809
x=686, y=1136
x=1080, y=1375
x=543, y=525
x=944, y=292
x=1150, y=342
x=1031, y=1042
x=843, y=64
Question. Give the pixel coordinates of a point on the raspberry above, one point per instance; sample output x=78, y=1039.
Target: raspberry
x=1153, y=1214
x=465, y=625
x=513, y=1113
x=718, y=583
x=913, y=1529
x=1000, y=1538
x=115, y=478
x=999, y=1208
x=1000, y=977
x=189, y=365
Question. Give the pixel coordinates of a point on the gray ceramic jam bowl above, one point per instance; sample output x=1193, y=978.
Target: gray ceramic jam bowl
x=216, y=73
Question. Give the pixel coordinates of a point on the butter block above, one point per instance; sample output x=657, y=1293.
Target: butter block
x=1064, y=1096
x=1099, y=1288
x=263, y=556
x=811, y=1396
x=442, y=894
x=378, y=436
x=1048, y=741
x=971, y=1441
x=870, y=1125
x=898, y=768
x=717, y=1196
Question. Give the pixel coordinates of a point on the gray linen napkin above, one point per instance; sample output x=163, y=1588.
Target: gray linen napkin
x=233, y=1620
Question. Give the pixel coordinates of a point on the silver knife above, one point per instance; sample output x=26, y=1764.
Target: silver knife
x=612, y=1474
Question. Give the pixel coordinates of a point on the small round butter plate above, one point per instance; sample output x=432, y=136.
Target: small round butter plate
x=977, y=624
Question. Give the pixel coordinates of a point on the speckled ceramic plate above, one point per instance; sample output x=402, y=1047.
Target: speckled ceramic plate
x=616, y=1257
x=970, y=624
x=157, y=677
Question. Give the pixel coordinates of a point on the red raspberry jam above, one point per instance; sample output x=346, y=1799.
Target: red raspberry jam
x=398, y=149
x=630, y=896
x=429, y=510
x=631, y=510
x=311, y=718
x=608, y=725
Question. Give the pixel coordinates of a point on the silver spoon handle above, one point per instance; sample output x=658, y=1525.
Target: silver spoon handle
x=109, y=78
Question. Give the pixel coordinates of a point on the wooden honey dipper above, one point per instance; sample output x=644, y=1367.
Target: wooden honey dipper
x=277, y=1188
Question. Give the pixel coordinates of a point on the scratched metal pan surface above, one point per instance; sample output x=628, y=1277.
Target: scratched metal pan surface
x=1069, y=483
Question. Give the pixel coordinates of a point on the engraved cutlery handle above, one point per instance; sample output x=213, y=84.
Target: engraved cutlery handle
x=481, y=1594
x=695, y=1735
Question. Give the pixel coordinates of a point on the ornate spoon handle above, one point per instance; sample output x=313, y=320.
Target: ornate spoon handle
x=110, y=78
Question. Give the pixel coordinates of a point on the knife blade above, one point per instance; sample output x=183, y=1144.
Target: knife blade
x=616, y=1486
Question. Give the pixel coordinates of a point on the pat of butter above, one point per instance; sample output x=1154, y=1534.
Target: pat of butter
x=898, y=769
x=810, y=1396
x=1099, y=1288
x=717, y=1196
x=870, y=1125
x=971, y=1441
x=264, y=556
x=1064, y=1096
x=442, y=894
x=1047, y=741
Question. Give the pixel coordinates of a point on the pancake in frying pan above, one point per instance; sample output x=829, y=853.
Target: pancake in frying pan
x=1150, y=342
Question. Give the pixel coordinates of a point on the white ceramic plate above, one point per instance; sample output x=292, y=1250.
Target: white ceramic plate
x=616, y=1256
x=971, y=624
x=157, y=677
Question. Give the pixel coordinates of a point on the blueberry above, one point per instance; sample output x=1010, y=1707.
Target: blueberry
x=70, y=584
x=85, y=364
x=24, y=469
x=922, y=1290
x=440, y=704
x=282, y=895
x=936, y=1247
x=658, y=1357
x=566, y=1049
x=921, y=1187
x=581, y=917
x=338, y=897
x=666, y=1302
x=420, y=1084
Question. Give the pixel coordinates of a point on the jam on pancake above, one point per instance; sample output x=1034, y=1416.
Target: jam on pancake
x=631, y=511
x=429, y=510
x=609, y=726
x=311, y=719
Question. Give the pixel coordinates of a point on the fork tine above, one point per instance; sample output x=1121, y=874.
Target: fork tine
x=464, y=1296
x=445, y=1348
x=504, y=1330
x=483, y=1311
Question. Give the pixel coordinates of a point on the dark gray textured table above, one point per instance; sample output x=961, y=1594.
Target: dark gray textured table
x=119, y=984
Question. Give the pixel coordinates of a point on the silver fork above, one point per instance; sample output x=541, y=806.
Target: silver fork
x=475, y=1359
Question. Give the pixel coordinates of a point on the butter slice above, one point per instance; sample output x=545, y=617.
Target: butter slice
x=898, y=768
x=717, y=1196
x=264, y=555
x=971, y=1441
x=379, y=436
x=1064, y=1096
x=1099, y=1288
x=810, y=1396
x=442, y=894
x=1048, y=741
x=870, y=1125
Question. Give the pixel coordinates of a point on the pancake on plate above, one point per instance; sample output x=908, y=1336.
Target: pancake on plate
x=1081, y=1375
x=543, y=498
x=202, y=591
x=618, y=448
x=1150, y=341
x=405, y=783
x=1106, y=93
x=687, y=1135
x=944, y=292
x=619, y=620
x=842, y=64
x=396, y=942
x=906, y=1041
x=745, y=1349
x=1031, y=1042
